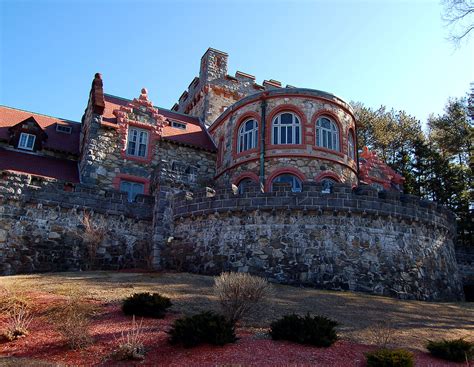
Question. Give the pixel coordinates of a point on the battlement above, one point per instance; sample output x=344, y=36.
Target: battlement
x=342, y=201
x=15, y=187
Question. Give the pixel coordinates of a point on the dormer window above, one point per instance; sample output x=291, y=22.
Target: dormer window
x=137, y=142
x=27, y=141
x=178, y=125
x=63, y=129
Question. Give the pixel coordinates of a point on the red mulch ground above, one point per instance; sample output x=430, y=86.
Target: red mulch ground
x=44, y=343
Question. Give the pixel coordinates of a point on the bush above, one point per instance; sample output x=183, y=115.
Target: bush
x=17, y=323
x=130, y=344
x=146, y=304
x=206, y=327
x=457, y=350
x=317, y=330
x=73, y=319
x=240, y=294
x=389, y=358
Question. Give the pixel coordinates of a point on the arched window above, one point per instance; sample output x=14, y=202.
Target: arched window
x=327, y=134
x=351, y=145
x=248, y=136
x=327, y=184
x=244, y=184
x=286, y=129
x=291, y=179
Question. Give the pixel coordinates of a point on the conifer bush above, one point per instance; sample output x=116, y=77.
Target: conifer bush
x=457, y=350
x=147, y=305
x=206, y=327
x=389, y=358
x=317, y=330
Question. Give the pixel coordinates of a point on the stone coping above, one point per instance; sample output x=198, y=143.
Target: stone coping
x=343, y=200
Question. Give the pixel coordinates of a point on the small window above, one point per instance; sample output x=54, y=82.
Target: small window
x=63, y=129
x=27, y=141
x=286, y=129
x=248, y=136
x=137, y=142
x=327, y=134
x=351, y=146
x=327, y=185
x=132, y=189
x=292, y=180
x=244, y=184
x=178, y=125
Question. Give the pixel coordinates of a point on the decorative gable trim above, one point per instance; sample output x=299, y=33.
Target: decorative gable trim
x=140, y=113
x=28, y=126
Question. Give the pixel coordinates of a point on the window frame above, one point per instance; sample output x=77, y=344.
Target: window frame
x=276, y=123
x=136, y=149
x=131, y=196
x=333, y=131
x=295, y=179
x=253, y=136
x=27, y=137
x=63, y=129
x=178, y=125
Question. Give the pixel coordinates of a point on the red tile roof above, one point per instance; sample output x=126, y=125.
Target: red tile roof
x=68, y=143
x=61, y=169
x=195, y=134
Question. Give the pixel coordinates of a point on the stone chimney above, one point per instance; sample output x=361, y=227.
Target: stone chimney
x=213, y=65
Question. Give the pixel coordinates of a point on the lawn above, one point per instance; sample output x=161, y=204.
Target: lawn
x=362, y=318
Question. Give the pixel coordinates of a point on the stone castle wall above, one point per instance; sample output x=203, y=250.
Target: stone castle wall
x=381, y=243
x=41, y=226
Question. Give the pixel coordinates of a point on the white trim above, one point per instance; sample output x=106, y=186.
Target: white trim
x=327, y=137
x=293, y=130
x=247, y=139
x=26, y=141
x=178, y=125
x=63, y=129
x=137, y=137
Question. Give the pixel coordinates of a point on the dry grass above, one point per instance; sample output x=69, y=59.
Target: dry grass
x=414, y=321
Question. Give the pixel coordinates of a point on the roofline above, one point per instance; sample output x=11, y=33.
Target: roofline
x=159, y=108
x=41, y=114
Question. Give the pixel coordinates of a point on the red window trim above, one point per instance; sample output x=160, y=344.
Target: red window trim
x=125, y=177
x=235, y=138
x=327, y=174
x=291, y=108
x=281, y=171
x=335, y=118
x=244, y=175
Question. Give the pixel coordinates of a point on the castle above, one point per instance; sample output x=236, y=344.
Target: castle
x=236, y=176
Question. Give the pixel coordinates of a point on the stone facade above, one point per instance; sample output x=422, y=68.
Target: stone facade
x=41, y=226
x=366, y=241
x=347, y=236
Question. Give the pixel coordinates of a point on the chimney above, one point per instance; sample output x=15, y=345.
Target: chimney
x=213, y=65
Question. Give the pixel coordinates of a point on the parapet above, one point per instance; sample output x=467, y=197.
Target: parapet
x=341, y=201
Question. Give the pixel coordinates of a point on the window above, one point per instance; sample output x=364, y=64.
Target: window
x=178, y=125
x=327, y=184
x=27, y=141
x=292, y=180
x=351, y=145
x=132, y=189
x=286, y=129
x=137, y=142
x=327, y=134
x=63, y=129
x=248, y=136
x=246, y=182
x=191, y=171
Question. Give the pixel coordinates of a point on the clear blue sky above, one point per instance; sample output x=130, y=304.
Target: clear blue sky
x=377, y=52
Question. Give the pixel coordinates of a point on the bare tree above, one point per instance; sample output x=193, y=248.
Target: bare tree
x=459, y=16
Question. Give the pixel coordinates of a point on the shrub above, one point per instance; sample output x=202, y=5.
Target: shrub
x=382, y=334
x=389, y=358
x=93, y=235
x=317, y=330
x=72, y=321
x=146, y=304
x=17, y=323
x=206, y=327
x=457, y=350
x=240, y=294
x=130, y=344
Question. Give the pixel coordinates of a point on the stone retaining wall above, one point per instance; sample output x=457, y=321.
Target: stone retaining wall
x=41, y=226
x=361, y=240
